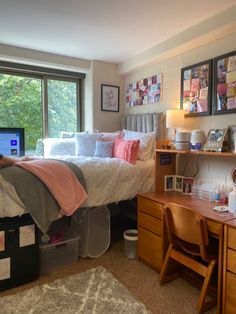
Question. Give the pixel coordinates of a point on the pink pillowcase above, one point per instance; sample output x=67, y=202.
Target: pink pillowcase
x=126, y=150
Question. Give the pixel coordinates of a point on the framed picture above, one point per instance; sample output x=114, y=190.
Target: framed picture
x=169, y=183
x=179, y=183
x=216, y=140
x=110, y=98
x=188, y=185
x=196, y=89
x=224, y=86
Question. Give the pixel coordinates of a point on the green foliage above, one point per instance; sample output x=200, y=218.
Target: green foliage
x=21, y=106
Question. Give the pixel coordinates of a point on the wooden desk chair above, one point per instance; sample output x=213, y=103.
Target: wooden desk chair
x=188, y=240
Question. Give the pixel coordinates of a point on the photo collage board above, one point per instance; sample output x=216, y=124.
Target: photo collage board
x=209, y=87
x=144, y=91
x=225, y=69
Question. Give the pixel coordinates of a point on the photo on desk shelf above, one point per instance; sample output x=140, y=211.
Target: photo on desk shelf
x=169, y=183
x=188, y=185
x=179, y=183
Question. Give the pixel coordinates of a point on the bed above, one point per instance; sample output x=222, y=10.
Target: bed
x=108, y=180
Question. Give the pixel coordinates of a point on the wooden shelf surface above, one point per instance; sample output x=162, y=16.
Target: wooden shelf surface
x=199, y=152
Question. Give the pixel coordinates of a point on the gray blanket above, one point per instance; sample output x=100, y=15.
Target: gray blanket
x=36, y=197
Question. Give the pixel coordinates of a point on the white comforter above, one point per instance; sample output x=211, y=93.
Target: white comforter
x=108, y=180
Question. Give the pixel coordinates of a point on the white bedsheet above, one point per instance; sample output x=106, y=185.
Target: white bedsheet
x=108, y=180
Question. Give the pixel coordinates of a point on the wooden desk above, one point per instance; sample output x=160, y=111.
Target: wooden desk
x=152, y=242
x=229, y=268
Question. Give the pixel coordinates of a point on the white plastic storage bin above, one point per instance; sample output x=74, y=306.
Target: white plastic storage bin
x=93, y=225
x=56, y=255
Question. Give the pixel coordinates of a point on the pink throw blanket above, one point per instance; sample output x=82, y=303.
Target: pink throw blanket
x=61, y=182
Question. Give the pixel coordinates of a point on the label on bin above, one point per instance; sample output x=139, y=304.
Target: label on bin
x=2, y=241
x=27, y=235
x=5, y=271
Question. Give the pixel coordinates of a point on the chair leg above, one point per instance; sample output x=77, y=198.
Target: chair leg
x=163, y=277
x=201, y=305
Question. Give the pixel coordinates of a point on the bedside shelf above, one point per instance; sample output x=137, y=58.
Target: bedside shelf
x=200, y=152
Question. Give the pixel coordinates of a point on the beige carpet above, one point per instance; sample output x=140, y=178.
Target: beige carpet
x=141, y=281
x=93, y=291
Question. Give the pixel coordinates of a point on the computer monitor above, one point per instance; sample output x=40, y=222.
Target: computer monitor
x=12, y=142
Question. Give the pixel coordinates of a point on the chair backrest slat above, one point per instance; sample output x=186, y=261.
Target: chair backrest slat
x=185, y=224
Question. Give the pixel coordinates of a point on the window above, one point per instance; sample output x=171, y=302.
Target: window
x=43, y=104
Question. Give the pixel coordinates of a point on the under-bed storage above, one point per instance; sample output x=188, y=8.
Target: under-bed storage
x=19, y=253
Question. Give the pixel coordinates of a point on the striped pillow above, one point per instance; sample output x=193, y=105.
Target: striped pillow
x=85, y=144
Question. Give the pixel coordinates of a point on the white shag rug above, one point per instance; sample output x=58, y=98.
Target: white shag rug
x=94, y=291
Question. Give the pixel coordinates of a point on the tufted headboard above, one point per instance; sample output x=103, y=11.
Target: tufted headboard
x=147, y=122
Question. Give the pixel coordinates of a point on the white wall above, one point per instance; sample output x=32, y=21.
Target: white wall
x=105, y=73
x=211, y=168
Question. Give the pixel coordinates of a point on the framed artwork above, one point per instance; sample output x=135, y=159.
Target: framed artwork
x=179, y=183
x=216, y=140
x=145, y=91
x=196, y=89
x=188, y=185
x=110, y=98
x=224, y=88
x=169, y=183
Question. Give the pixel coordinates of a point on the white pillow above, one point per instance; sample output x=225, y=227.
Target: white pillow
x=59, y=146
x=147, y=143
x=85, y=144
x=65, y=134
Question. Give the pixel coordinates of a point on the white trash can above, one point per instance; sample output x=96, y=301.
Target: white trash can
x=130, y=242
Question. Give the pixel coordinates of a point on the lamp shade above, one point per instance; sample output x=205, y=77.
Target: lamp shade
x=175, y=118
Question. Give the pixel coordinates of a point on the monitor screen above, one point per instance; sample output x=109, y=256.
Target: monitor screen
x=12, y=142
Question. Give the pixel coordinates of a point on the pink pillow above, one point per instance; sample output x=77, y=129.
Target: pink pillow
x=126, y=150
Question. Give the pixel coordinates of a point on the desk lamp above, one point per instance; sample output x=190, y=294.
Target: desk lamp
x=174, y=120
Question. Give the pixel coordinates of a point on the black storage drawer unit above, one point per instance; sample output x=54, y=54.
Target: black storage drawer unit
x=19, y=251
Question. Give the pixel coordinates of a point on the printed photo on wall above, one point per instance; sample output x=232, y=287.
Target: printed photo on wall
x=145, y=91
x=169, y=183
x=188, y=185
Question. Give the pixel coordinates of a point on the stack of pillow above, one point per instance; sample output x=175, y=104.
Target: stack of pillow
x=126, y=145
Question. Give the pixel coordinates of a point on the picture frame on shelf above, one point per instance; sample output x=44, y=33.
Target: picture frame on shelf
x=110, y=98
x=232, y=138
x=188, y=185
x=196, y=89
x=169, y=183
x=224, y=84
x=216, y=140
x=179, y=183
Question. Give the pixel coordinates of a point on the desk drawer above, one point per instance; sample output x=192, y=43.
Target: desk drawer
x=150, y=248
x=150, y=223
x=231, y=238
x=231, y=260
x=214, y=227
x=230, y=304
x=150, y=207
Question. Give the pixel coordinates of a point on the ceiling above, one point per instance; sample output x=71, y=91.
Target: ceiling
x=105, y=30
